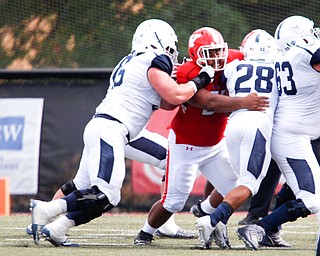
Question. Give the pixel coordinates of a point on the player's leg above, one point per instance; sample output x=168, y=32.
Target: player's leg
x=104, y=154
x=170, y=228
x=302, y=173
x=251, y=164
x=284, y=195
x=81, y=181
x=224, y=179
x=208, y=188
x=180, y=176
x=260, y=202
x=274, y=239
x=151, y=148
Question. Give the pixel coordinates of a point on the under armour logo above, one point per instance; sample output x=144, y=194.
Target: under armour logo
x=189, y=148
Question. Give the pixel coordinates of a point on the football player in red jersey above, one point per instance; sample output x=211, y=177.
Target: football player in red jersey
x=196, y=137
x=248, y=137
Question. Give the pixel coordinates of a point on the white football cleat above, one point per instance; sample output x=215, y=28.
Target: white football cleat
x=40, y=217
x=29, y=230
x=220, y=236
x=55, y=232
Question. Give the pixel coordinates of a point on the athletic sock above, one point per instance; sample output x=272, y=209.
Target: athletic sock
x=275, y=219
x=206, y=207
x=222, y=213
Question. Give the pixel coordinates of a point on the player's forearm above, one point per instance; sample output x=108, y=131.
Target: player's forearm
x=216, y=102
x=225, y=104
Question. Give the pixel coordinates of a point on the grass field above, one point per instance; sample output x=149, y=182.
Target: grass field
x=113, y=234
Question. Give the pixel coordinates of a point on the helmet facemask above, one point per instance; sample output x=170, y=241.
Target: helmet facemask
x=206, y=46
x=215, y=56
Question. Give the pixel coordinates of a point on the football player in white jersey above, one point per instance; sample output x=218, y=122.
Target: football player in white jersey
x=139, y=84
x=296, y=123
x=149, y=148
x=248, y=133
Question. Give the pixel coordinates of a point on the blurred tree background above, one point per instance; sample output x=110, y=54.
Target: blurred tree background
x=94, y=34
x=80, y=34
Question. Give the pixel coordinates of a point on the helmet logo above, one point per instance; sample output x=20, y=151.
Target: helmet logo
x=296, y=29
x=193, y=38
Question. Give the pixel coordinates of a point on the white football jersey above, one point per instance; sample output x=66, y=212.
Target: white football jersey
x=299, y=93
x=131, y=98
x=245, y=77
x=248, y=133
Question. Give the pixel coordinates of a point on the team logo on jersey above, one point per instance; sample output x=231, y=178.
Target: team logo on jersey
x=11, y=133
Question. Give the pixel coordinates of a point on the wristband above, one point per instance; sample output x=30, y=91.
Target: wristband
x=201, y=80
x=195, y=88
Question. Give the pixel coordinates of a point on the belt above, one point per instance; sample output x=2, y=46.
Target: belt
x=106, y=116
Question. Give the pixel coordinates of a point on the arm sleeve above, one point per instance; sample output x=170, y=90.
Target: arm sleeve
x=315, y=59
x=162, y=62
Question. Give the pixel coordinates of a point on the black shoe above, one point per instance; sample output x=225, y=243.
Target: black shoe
x=250, y=219
x=197, y=211
x=143, y=238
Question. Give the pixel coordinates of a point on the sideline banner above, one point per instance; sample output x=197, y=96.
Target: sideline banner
x=20, y=133
x=146, y=179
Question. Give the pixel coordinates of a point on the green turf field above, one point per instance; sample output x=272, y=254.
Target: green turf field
x=113, y=234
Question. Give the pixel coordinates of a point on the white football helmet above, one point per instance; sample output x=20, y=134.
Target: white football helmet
x=259, y=46
x=206, y=46
x=295, y=30
x=155, y=35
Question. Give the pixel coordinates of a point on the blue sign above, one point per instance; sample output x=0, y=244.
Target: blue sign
x=11, y=133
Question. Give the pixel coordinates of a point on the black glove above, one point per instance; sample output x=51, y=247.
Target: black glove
x=205, y=77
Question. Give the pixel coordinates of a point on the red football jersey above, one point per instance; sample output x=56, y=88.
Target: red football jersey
x=195, y=126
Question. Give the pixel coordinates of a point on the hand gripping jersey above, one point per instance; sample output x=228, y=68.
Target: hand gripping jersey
x=245, y=77
x=195, y=126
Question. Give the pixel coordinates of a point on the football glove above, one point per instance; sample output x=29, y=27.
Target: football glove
x=205, y=77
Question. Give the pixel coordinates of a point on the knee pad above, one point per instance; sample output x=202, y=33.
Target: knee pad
x=93, y=200
x=82, y=217
x=68, y=188
x=296, y=209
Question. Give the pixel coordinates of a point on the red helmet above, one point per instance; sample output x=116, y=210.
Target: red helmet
x=207, y=47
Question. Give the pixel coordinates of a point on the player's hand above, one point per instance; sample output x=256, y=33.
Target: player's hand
x=257, y=103
x=174, y=71
x=209, y=71
x=204, y=78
